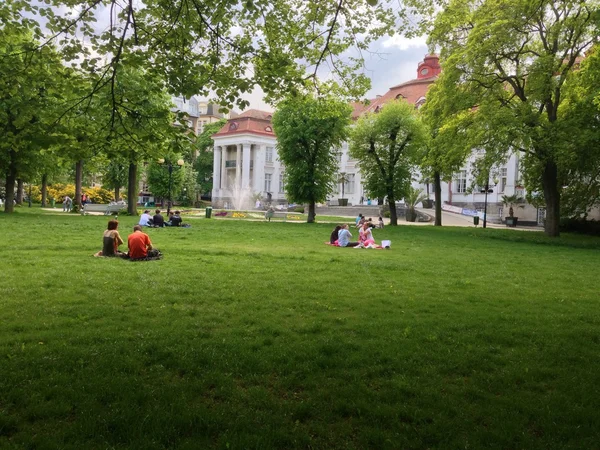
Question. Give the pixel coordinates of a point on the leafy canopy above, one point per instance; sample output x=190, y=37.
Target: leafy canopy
x=387, y=145
x=308, y=128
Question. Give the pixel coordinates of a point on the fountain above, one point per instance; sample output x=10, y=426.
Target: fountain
x=240, y=197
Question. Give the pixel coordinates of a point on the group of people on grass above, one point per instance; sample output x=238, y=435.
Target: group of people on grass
x=158, y=221
x=138, y=243
x=341, y=237
x=360, y=220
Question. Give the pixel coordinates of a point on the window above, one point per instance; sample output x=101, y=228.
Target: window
x=424, y=71
x=349, y=185
x=268, y=178
x=461, y=181
x=281, y=183
x=269, y=129
x=503, y=178
x=269, y=155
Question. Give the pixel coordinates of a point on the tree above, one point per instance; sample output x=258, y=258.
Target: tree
x=308, y=128
x=582, y=113
x=413, y=197
x=137, y=125
x=165, y=177
x=517, y=58
x=446, y=150
x=386, y=145
x=30, y=86
x=114, y=176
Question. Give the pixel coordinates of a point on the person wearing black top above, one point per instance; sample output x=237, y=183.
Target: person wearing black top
x=158, y=220
x=334, y=235
x=176, y=220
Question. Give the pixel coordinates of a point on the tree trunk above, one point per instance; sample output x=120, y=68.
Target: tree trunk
x=78, y=182
x=380, y=201
x=132, y=190
x=11, y=179
x=393, y=212
x=437, y=188
x=311, y=213
x=44, y=190
x=117, y=193
x=552, y=197
x=19, y=191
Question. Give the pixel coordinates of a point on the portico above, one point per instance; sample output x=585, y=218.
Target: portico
x=243, y=160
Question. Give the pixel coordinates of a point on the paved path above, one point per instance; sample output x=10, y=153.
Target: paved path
x=457, y=220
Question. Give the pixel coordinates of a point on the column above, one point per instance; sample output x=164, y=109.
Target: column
x=216, y=170
x=223, y=169
x=238, y=165
x=259, y=167
x=246, y=169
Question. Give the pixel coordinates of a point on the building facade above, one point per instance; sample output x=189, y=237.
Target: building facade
x=245, y=162
x=245, y=159
x=199, y=113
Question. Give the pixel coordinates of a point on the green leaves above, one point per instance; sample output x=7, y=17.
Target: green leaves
x=308, y=130
x=388, y=145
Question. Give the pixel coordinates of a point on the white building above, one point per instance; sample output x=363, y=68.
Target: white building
x=245, y=162
x=199, y=113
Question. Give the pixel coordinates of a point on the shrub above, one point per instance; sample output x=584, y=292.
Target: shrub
x=299, y=209
x=572, y=225
x=386, y=214
x=58, y=191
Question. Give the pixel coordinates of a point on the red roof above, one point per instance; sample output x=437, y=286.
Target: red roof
x=252, y=121
x=412, y=91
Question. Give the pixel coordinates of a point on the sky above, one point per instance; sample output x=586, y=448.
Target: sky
x=393, y=60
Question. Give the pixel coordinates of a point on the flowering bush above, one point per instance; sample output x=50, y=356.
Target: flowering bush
x=221, y=214
x=58, y=192
x=238, y=215
x=290, y=217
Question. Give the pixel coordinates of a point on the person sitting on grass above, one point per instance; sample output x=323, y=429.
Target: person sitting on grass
x=140, y=246
x=158, y=220
x=344, y=237
x=145, y=219
x=176, y=219
x=366, y=237
x=333, y=239
x=111, y=239
x=380, y=223
x=360, y=216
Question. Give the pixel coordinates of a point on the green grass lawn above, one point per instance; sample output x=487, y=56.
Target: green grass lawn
x=257, y=335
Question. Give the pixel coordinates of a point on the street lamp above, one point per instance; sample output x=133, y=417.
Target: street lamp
x=487, y=190
x=169, y=165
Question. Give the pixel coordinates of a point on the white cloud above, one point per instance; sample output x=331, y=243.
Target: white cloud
x=404, y=43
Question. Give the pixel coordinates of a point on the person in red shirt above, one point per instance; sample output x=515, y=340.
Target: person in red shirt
x=140, y=246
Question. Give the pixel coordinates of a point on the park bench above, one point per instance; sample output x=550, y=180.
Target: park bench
x=277, y=214
x=107, y=210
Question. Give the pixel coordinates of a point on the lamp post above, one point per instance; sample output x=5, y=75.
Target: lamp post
x=487, y=191
x=169, y=166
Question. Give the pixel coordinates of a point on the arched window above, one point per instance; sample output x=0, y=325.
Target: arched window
x=399, y=96
x=268, y=129
x=233, y=126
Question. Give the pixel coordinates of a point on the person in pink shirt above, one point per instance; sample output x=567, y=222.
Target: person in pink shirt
x=366, y=236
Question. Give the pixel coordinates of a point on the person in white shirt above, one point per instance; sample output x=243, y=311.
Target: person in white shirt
x=145, y=219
